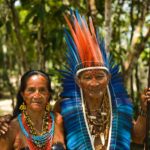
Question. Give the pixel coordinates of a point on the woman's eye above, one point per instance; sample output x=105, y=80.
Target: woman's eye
x=43, y=90
x=30, y=90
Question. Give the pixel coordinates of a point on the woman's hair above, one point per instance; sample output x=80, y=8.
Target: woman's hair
x=22, y=87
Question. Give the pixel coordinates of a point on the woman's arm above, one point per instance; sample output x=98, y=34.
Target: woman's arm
x=4, y=142
x=59, y=130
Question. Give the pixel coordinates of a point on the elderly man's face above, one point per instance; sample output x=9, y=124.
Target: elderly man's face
x=93, y=82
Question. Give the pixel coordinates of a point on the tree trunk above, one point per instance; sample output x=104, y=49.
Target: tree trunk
x=138, y=42
x=40, y=44
x=108, y=28
x=92, y=7
x=135, y=51
x=22, y=49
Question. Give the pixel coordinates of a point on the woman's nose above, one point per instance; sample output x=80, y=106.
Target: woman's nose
x=37, y=94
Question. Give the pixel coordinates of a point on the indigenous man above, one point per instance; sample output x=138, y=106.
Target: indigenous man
x=96, y=109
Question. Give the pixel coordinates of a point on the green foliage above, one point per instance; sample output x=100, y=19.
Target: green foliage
x=32, y=33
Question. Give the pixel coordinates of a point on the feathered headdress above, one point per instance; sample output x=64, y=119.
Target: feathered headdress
x=86, y=50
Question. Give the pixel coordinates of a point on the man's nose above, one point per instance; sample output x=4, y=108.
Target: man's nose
x=94, y=82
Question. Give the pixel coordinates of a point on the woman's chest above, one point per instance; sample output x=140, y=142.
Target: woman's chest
x=20, y=142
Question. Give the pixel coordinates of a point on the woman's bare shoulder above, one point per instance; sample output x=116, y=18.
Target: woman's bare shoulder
x=58, y=117
x=14, y=124
x=13, y=128
x=57, y=106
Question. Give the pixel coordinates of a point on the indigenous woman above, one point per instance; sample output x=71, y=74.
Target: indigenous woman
x=34, y=126
x=96, y=109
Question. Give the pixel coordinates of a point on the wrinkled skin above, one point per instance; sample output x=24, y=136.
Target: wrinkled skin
x=4, y=123
x=36, y=96
x=93, y=82
x=139, y=126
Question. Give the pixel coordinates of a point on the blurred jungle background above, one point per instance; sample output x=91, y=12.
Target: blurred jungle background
x=32, y=37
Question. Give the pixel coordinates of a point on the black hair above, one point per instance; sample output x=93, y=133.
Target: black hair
x=22, y=87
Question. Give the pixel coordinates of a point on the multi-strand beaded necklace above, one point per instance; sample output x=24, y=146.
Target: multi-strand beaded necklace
x=35, y=141
x=99, y=123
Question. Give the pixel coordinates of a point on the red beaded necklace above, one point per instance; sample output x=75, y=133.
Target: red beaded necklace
x=31, y=145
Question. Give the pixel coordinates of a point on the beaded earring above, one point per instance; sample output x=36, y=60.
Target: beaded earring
x=48, y=107
x=23, y=107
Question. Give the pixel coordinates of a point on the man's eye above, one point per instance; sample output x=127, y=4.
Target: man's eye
x=99, y=76
x=87, y=77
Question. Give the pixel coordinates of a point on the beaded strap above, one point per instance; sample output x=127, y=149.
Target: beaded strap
x=38, y=139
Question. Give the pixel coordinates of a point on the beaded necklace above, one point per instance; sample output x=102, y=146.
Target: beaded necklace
x=99, y=122
x=41, y=141
x=30, y=124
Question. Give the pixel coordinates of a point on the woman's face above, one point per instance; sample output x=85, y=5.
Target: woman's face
x=36, y=94
x=93, y=82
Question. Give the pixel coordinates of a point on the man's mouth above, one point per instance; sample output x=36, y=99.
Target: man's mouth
x=94, y=90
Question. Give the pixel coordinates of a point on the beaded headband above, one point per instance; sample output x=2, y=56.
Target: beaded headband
x=91, y=68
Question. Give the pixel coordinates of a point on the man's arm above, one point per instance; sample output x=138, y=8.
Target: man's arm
x=7, y=139
x=4, y=123
x=139, y=126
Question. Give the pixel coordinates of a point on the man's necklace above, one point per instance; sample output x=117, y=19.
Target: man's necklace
x=99, y=121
